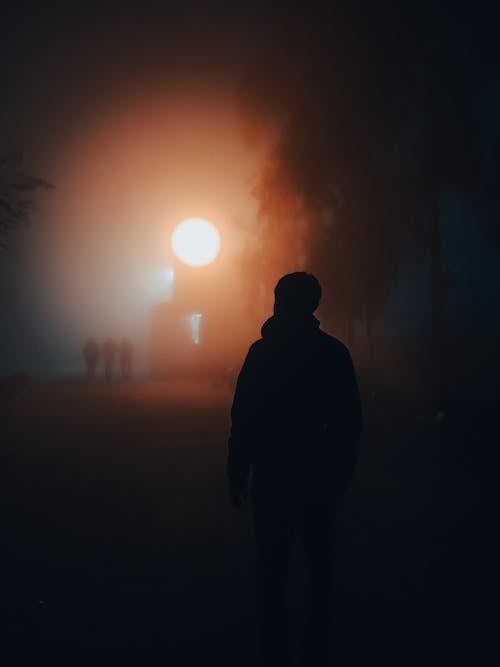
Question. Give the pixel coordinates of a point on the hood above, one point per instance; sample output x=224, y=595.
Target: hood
x=283, y=328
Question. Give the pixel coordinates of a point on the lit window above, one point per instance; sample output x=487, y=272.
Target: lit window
x=195, y=328
x=168, y=283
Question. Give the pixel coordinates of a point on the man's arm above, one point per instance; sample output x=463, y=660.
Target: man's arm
x=241, y=440
x=350, y=422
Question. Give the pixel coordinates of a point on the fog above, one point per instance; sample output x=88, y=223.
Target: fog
x=145, y=116
x=136, y=120
x=124, y=179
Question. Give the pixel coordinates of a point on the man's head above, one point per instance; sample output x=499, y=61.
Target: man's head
x=297, y=294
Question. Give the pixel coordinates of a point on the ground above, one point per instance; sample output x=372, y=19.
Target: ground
x=119, y=546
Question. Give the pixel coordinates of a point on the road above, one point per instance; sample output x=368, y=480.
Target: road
x=120, y=547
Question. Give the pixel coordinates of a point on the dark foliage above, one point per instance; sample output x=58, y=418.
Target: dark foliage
x=377, y=107
x=17, y=190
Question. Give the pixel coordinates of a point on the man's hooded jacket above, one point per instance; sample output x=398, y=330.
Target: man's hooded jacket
x=296, y=414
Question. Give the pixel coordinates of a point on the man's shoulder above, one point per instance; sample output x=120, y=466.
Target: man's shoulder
x=256, y=345
x=333, y=344
x=328, y=343
x=257, y=349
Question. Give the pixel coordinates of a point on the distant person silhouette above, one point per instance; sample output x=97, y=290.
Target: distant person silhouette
x=296, y=421
x=91, y=356
x=125, y=352
x=109, y=348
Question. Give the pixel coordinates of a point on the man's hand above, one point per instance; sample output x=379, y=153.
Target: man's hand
x=238, y=493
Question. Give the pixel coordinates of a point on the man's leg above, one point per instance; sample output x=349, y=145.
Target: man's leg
x=317, y=529
x=273, y=537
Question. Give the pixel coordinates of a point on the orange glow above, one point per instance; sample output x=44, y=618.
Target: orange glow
x=196, y=242
x=127, y=174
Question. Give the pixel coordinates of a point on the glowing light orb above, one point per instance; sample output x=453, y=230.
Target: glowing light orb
x=196, y=242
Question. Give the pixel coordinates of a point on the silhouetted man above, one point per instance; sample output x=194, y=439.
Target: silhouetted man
x=125, y=353
x=91, y=356
x=296, y=421
x=109, y=354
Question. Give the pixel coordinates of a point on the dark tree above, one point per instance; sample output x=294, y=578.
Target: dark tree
x=17, y=190
x=331, y=188
x=377, y=105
